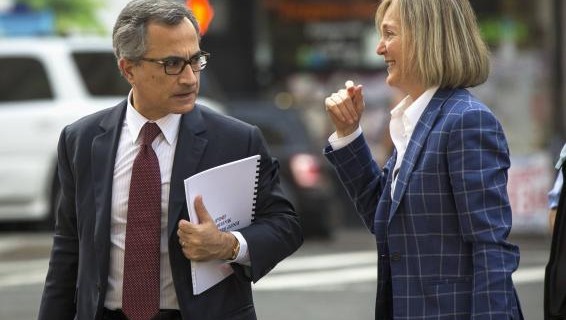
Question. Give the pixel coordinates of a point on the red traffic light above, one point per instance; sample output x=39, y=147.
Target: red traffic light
x=203, y=12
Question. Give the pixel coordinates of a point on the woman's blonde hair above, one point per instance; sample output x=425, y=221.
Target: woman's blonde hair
x=443, y=39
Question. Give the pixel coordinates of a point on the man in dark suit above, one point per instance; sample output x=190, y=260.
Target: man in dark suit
x=96, y=257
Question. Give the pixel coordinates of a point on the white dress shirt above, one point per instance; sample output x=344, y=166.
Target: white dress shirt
x=404, y=118
x=129, y=145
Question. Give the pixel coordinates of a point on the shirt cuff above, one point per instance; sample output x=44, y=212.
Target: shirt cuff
x=338, y=143
x=243, y=256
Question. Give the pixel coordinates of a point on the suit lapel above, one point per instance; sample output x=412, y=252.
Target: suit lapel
x=104, y=148
x=415, y=146
x=189, y=151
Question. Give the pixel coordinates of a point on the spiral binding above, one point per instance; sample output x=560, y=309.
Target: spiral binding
x=256, y=185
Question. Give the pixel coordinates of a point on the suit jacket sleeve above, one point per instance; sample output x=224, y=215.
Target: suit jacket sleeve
x=363, y=179
x=478, y=159
x=58, y=300
x=276, y=232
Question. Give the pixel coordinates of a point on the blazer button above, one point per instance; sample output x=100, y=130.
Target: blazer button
x=395, y=256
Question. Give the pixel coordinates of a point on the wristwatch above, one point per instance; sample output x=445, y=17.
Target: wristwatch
x=235, y=250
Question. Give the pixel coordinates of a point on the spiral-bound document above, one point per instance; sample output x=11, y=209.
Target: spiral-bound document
x=229, y=193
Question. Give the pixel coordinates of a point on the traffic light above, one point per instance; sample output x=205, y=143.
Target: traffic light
x=203, y=12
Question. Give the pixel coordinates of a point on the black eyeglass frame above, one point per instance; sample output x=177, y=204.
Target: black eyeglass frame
x=194, y=59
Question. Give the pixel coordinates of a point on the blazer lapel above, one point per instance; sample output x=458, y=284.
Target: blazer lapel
x=104, y=148
x=188, y=153
x=415, y=146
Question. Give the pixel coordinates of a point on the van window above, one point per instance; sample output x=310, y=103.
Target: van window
x=100, y=74
x=23, y=78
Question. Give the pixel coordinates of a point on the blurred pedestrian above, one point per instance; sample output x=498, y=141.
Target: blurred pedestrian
x=554, y=193
x=439, y=207
x=555, y=276
x=123, y=242
x=553, y=196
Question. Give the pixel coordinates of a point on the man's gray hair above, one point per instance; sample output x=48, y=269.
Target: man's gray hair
x=129, y=34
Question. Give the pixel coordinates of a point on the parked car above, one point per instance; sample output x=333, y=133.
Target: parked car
x=305, y=175
x=46, y=83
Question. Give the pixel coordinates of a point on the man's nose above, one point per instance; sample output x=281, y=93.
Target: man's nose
x=188, y=75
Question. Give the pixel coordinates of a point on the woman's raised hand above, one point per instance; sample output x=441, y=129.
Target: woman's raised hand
x=345, y=108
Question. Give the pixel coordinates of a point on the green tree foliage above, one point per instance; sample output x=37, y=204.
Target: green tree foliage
x=71, y=16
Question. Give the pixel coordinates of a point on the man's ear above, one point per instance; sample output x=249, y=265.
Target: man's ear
x=126, y=67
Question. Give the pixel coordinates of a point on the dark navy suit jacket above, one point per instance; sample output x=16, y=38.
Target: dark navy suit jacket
x=76, y=282
x=441, y=237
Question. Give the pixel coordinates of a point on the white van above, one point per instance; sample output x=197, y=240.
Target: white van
x=46, y=83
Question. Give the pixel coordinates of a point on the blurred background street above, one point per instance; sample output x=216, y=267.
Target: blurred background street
x=272, y=63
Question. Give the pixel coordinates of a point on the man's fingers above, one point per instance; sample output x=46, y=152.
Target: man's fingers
x=184, y=226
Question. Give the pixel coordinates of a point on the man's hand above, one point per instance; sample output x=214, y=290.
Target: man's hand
x=203, y=241
x=345, y=108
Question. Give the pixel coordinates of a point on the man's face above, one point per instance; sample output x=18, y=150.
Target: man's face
x=156, y=94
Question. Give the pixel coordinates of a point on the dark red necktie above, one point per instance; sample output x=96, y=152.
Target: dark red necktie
x=140, y=296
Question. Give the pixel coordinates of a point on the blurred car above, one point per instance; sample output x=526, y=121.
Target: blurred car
x=304, y=173
x=45, y=84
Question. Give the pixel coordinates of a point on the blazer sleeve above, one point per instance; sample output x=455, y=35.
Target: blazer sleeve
x=363, y=179
x=276, y=232
x=478, y=160
x=58, y=300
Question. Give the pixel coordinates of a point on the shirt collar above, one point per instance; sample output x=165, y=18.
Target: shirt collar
x=411, y=110
x=169, y=124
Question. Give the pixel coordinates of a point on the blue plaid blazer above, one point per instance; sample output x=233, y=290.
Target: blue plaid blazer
x=441, y=237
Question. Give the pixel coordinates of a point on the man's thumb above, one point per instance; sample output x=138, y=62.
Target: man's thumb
x=201, y=211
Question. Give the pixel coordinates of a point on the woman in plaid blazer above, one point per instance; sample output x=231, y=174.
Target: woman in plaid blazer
x=439, y=207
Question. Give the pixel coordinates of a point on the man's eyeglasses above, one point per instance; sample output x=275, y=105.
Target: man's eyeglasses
x=176, y=65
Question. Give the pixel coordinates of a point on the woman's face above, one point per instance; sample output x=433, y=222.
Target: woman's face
x=391, y=48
